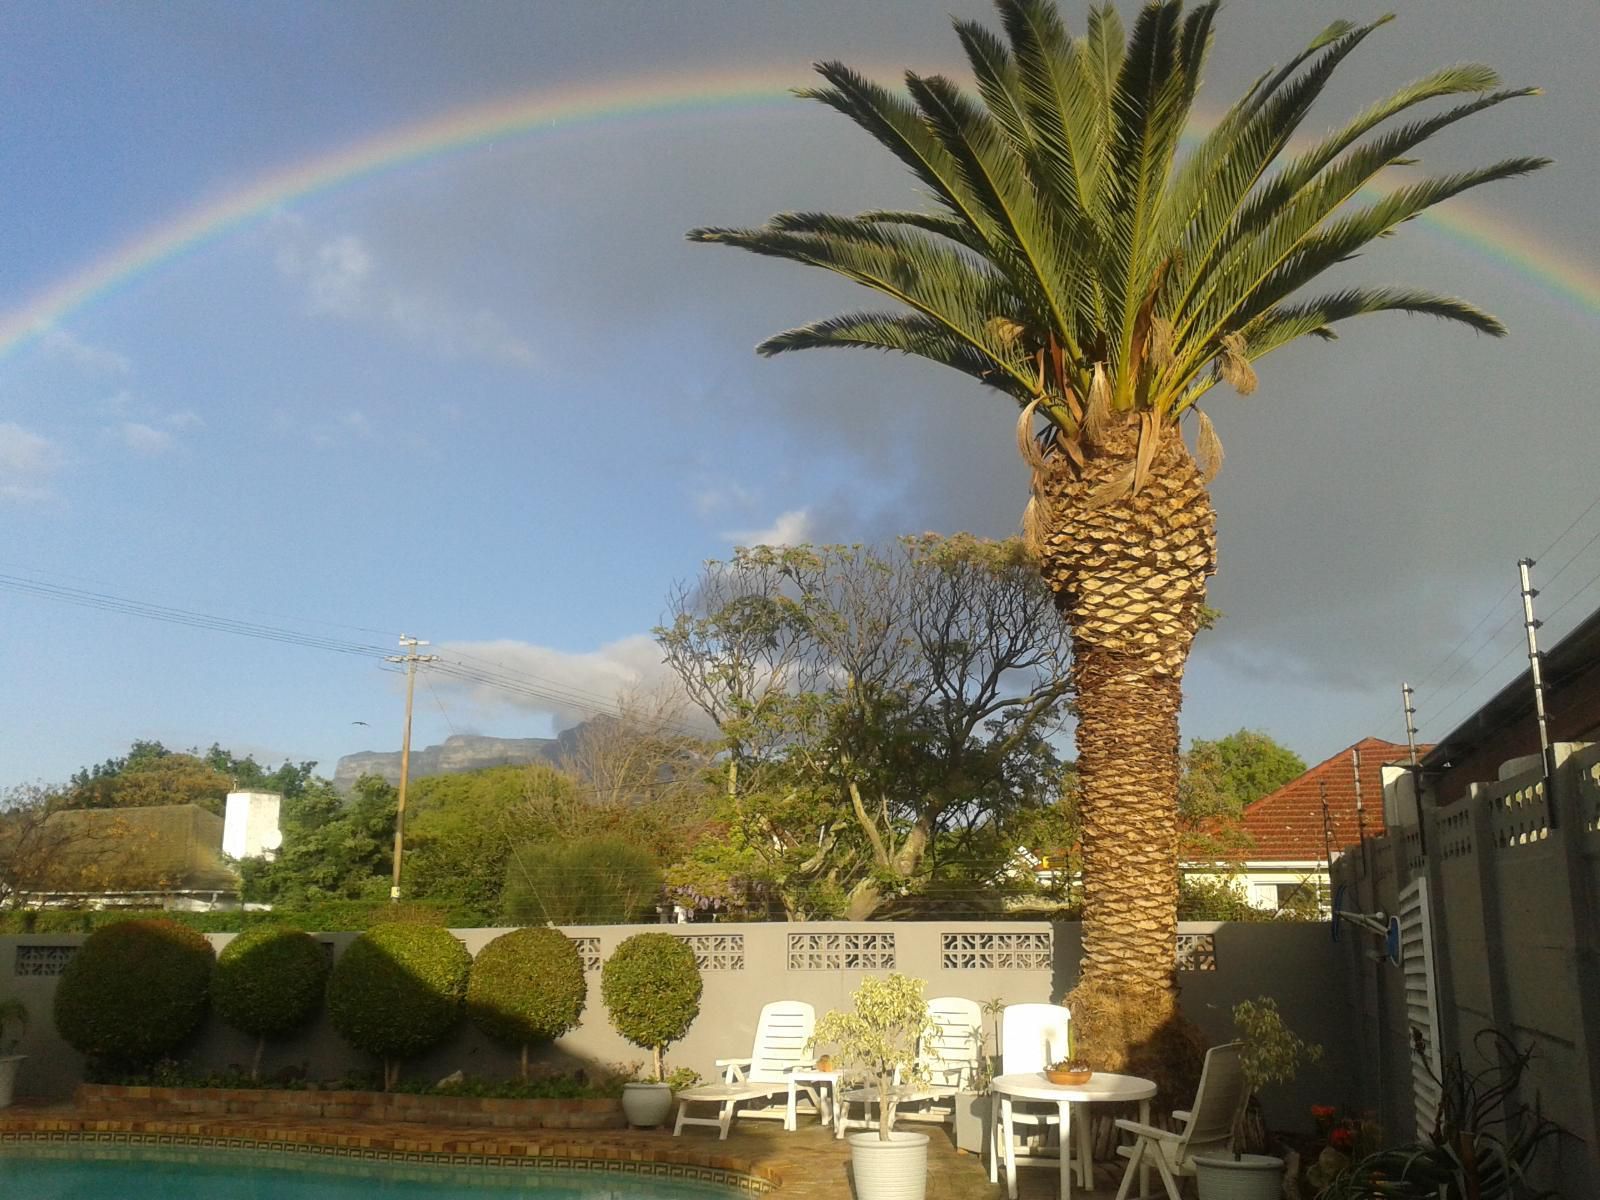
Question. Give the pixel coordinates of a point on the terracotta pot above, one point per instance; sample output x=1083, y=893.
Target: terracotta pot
x=1076, y=1078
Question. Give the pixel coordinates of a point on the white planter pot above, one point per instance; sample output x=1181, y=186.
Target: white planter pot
x=972, y=1121
x=1249, y=1177
x=9, y=1065
x=646, y=1105
x=892, y=1170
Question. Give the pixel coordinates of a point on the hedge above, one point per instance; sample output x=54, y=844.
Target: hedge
x=527, y=986
x=134, y=991
x=398, y=990
x=268, y=981
x=331, y=916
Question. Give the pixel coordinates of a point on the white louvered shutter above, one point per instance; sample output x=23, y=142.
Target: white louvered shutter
x=1422, y=1006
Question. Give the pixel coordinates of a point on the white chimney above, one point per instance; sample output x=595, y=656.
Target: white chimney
x=250, y=825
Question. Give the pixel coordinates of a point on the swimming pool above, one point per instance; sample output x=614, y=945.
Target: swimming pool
x=86, y=1171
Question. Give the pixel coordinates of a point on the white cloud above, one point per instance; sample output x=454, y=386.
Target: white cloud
x=790, y=529
x=184, y=420
x=27, y=461
x=144, y=439
x=570, y=687
x=343, y=279
x=58, y=343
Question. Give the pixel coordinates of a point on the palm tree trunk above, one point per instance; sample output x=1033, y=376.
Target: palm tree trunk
x=1129, y=577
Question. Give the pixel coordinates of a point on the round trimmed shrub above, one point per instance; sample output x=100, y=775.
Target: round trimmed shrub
x=651, y=987
x=527, y=986
x=268, y=981
x=134, y=991
x=398, y=990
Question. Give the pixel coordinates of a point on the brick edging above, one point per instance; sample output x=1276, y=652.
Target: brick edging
x=142, y=1101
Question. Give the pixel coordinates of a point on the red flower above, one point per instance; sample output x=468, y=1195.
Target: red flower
x=1342, y=1138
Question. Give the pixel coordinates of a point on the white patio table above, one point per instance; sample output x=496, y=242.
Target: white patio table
x=1103, y=1088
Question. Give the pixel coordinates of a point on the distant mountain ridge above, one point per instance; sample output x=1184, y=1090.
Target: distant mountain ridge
x=459, y=753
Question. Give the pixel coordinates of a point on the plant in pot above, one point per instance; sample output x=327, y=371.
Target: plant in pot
x=13, y=1023
x=651, y=987
x=1074, y=1069
x=1271, y=1053
x=879, y=1039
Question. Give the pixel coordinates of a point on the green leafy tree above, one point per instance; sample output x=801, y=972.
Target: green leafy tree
x=651, y=987
x=527, y=986
x=397, y=990
x=885, y=718
x=1104, y=283
x=1219, y=779
x=149, y=775
x=269, y=981
x=332, y=850
x=134, y=991
x=605, y=880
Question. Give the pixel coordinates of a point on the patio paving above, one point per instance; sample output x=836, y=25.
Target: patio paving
x=808, y=1164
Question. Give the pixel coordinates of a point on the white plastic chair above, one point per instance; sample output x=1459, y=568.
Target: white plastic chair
x=1032, y=1036
x=948, y=1059
x=1209, y=1125
x=781, y=1046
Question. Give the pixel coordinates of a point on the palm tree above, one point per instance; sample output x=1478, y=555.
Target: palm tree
x=1077, y=262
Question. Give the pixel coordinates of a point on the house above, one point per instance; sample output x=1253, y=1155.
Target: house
x=164, y=856
x=1295, y=830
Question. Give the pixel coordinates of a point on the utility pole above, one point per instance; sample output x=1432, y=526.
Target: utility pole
x=411, y=658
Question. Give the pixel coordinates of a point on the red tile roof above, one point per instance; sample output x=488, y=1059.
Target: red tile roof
x=1286, y=825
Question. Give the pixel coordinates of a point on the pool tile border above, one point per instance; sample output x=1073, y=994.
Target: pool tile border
x=301, y=1147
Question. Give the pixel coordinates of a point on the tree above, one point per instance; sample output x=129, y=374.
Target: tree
x=1077, y=264
x=460, y=831
x=884, y=714
x=1219, y=779
x=149, y=775
x=605, y=880
x=331, y=850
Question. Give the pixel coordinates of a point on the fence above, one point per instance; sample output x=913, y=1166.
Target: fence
x=1497, y=904
x=745, y=966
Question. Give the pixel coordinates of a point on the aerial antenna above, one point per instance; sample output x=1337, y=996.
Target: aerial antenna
x=1406, y=697
x=1546, y=753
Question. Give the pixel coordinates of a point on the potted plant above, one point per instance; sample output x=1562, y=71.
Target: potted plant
x=879, y=1040
x=13, y=1016
x=651, y=987
x=1074, y=1069
x=1271, y=1054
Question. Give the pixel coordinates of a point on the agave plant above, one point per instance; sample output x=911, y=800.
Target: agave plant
x=1080, y=260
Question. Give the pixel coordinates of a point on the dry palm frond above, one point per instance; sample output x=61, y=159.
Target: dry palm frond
x=1027, y=444
x=1035, y=525
x=1149, y=435
x=1207, y=448
x=1233, y=366
x=1097, y=413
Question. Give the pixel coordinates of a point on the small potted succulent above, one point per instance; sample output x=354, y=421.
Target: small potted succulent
x=879, y=1039
x=13, y=1022
x=651, y=987
x=1074, y=1069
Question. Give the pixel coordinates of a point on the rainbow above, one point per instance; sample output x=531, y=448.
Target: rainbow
x=1554, y=270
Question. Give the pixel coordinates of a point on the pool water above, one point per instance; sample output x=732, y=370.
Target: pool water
x=87, y=1172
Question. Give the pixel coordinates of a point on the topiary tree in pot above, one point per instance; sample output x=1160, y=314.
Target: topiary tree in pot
x=268, y=981
x=527, y=986
x=398, y=990
x=651, y=987
x=134, y=991
x=880, y=1039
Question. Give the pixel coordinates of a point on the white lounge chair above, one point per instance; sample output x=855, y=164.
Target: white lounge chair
x=1032, y=1036
x=1207, y=1128
x=949, y=1058
x=781, y=1046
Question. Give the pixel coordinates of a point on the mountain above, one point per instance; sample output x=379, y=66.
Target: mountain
x=460, y=752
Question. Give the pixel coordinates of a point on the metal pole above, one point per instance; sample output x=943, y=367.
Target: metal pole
x=1361, y=814
x=1406, y=696
x=411, y=658
x=1327, y=839
x=1546, y=752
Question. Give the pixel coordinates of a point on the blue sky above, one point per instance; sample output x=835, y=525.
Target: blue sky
x=495, y=400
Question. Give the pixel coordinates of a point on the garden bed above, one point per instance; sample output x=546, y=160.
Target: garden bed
x=119, y=1100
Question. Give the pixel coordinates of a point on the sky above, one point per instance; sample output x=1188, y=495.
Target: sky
x=271, y=356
